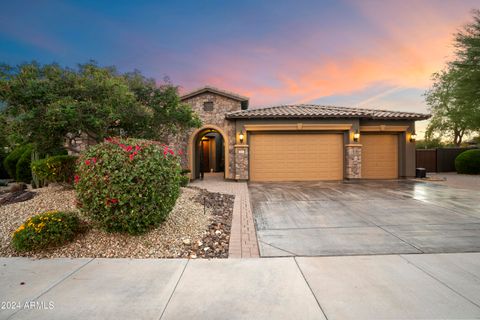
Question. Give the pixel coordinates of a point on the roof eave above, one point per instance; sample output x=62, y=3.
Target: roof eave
x=216, y=91
x=270, y=117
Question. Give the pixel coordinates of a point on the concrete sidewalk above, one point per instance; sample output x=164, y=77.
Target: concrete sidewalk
x=423, y=286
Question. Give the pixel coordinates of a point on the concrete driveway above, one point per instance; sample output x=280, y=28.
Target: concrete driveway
x=364, y=217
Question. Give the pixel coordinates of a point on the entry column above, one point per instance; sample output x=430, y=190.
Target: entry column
x=241, y=162
x=353, y=161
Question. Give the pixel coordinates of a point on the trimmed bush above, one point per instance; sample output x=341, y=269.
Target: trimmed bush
x=10, y=162
x=55, y=169
x=23, y=167
x=184, y=180
x=44, y=230
x=468, y=162
x=127, y=185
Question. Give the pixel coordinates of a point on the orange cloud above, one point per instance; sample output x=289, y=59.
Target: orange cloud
x=411, y=41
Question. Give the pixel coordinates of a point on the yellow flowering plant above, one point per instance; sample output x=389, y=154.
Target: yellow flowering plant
x=51, y=228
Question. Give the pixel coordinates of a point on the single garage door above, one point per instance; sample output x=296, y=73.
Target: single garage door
x=296, y=157
x=379, y=156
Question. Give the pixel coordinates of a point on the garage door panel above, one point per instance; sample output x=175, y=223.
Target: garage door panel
x=296, y=157
x=379, y=156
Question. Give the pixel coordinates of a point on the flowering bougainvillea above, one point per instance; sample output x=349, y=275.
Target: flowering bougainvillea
x=127, y=185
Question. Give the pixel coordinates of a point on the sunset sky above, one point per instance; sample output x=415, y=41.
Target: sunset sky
x=376, y=54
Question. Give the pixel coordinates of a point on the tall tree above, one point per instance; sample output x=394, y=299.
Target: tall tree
x=449, y=116
x=48, y=105
x=467, y=43
x=454, y=99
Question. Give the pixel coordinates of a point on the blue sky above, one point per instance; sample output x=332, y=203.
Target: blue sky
x=376, y=54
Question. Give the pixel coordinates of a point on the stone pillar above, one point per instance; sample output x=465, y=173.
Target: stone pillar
x=241, y=162
x=353, y=161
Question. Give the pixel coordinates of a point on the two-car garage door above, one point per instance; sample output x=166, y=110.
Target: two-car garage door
x=296, y=157
x=316, y=156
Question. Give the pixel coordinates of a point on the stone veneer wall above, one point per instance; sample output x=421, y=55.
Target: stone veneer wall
x=79, y=143
x=241, y=162
x=353, y=161
x=221, y=106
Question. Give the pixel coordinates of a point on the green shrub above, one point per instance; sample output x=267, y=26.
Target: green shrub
x=23, y=167
x=468, y=162
x=10, y=162
x=3, y=171
x=127, y=185
x=47, y=229
x=55, y=169
x=184, y=180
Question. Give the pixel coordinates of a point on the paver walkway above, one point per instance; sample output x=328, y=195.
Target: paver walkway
x=428, y=286
x=243, y=238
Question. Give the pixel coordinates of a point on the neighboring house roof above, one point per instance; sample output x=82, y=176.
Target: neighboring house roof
x=311, y=111
x=224, y=93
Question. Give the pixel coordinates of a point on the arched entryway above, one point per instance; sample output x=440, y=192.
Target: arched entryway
x=208, y=152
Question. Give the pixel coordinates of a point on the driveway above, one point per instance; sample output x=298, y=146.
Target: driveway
x=364, y=217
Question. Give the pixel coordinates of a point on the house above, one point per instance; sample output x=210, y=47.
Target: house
x=297, y=142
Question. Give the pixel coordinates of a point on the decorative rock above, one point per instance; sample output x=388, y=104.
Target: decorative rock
x=17, y=196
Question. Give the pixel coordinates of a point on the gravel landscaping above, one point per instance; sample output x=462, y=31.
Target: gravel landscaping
x=198, y=227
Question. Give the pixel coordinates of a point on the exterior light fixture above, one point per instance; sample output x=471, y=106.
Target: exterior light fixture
x=241, y=137
x=356, y=136
x=413, y=137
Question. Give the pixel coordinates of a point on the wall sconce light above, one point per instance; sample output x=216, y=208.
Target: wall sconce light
x=241, y=137
x=356, y=136
x=413, y=137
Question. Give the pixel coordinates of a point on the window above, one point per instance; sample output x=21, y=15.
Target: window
x=208, y=106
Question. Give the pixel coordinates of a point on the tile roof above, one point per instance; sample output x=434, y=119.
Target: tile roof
x=311, y=111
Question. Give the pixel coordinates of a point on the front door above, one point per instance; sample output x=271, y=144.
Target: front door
x=205, y=156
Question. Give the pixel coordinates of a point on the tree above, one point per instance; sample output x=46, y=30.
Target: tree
x=454, y=99
x=429, y=144
x=449, y=115
x=467, y=43
x=47, y=105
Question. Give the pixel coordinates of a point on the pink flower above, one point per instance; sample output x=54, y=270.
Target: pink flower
x=137, y=148
x=131, y=156
x=111, y=201
x=77, y=178
x=171, y=151
x=129, y=148
x=180, y=152
x=87, y=162
x=94, y=160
